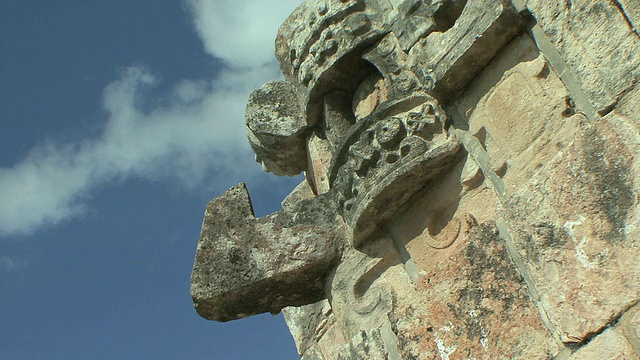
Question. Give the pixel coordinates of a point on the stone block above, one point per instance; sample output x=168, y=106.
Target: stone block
x=320, y=155
x=386, y=158
x=570, y=188
x=301, y=192
x=576, y=225
x=454, y=57
x=276, y=128
x=628, y=108
x=597, y=42
x=417, y=19
x=245, y=266
x=506, y=227
x=609, y=345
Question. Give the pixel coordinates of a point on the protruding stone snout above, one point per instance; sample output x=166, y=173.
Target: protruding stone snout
x=246, y=265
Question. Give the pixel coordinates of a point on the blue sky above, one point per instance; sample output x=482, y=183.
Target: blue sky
x=119, y=120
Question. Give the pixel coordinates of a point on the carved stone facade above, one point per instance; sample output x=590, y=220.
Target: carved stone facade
x=472, y=183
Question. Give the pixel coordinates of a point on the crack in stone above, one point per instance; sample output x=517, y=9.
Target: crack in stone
x=622, y=10
x=575, y=346
x=604, y=112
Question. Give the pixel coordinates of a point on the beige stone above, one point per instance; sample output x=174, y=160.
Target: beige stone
x=368, y=96
x=609, y=345
x=631, y=12
x=630, y=327
x=575, y=227
x=570, y=189
x=319, y=161
x=478, y=306
x=517, y=109
x=596, y=42
x=463, y=199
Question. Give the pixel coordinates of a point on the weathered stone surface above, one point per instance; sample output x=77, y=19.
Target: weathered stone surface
x=320, y=44
x=609, y=345
x=362, y=301
x=276, y=128
x=393, y=63
x=364, y=345
x=354, y=323
x=517, y=109
x=359, y=299
x=313, y=354
x=307, y=323
x=320, y=154
x=574, y=227
x=507, y=227
x=629, y=109
x=246, y=266
x=369, y=95
x=329, y=338
x=386, y=158
x=630, y=327
x=454, y=57
x=301, y=192
x=417, y=19
x=338, y=117
x=596, y=41
x=631, y=12
x=561, y=172
x=470, y=300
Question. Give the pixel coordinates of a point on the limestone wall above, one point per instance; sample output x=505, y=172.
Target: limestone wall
x=478, y=167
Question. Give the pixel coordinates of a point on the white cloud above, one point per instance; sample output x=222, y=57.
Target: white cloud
x=199, y=128
x=234, y=30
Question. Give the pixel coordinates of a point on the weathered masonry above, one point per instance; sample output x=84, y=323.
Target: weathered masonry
x=472, y=183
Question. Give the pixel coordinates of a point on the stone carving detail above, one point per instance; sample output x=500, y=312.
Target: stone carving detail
x=363, y=303
x=276, y=128
x=393, y=63
x=421, y=18
x=446, y=237
x=452, y=58
x=370, y=302
x=327, y=49
x=319, y=47
x=361, y=112
x=387, y=157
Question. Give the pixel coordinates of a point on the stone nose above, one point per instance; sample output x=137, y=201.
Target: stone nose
x=246, y=265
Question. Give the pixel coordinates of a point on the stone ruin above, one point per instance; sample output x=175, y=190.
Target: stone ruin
x=472, y=183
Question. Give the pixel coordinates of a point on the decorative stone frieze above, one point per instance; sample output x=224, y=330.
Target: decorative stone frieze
x=386, y=158
x=463, y=199
x=320, y=45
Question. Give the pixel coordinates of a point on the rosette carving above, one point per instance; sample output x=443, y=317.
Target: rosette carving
x=386, y=158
